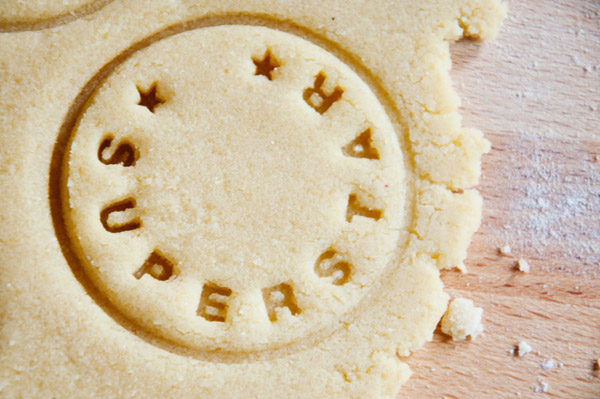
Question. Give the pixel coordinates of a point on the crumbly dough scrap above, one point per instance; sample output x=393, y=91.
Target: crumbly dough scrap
x=229, y=199
x=523, y=348
x=523, y=265
x=462, y=320
x=505, y=250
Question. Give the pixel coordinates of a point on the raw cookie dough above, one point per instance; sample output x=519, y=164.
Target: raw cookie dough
x=310, y=207
x=462, y=320
x=523, y=348
x=18, y=15
x=231, y=199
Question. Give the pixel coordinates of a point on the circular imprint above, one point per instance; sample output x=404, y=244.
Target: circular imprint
x=233, y=188
x=19, y=15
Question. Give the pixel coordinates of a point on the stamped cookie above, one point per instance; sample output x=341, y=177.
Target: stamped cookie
x=235, y=203
x=226, y=202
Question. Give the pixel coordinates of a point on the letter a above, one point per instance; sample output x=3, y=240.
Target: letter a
x=280, y=296
x=326, y=100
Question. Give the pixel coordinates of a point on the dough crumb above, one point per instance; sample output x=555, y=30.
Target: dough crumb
x=523, y=265
x=505, y=250
x=597, y=364
x=523, y=348
x=462, y=319
x=548, y=364
x=542, y=387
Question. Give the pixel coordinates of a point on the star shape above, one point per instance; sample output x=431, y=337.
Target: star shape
x=149, y=98
x=266, y=65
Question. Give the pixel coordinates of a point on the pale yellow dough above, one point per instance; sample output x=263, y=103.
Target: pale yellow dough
x=18, y=15
x=28, y=10
x=462, y=320
x=230, y=199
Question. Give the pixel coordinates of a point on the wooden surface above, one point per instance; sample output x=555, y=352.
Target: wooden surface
x=535, y=92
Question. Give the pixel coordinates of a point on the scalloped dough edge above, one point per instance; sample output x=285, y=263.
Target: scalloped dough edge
x=448, y=156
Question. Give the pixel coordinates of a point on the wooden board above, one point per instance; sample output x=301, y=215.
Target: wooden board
x=535, y=92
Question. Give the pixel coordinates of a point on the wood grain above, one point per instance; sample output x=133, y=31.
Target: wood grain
x=535, y=92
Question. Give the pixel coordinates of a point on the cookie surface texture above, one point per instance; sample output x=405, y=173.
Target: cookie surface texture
x=27, y=15
x=229, y=200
